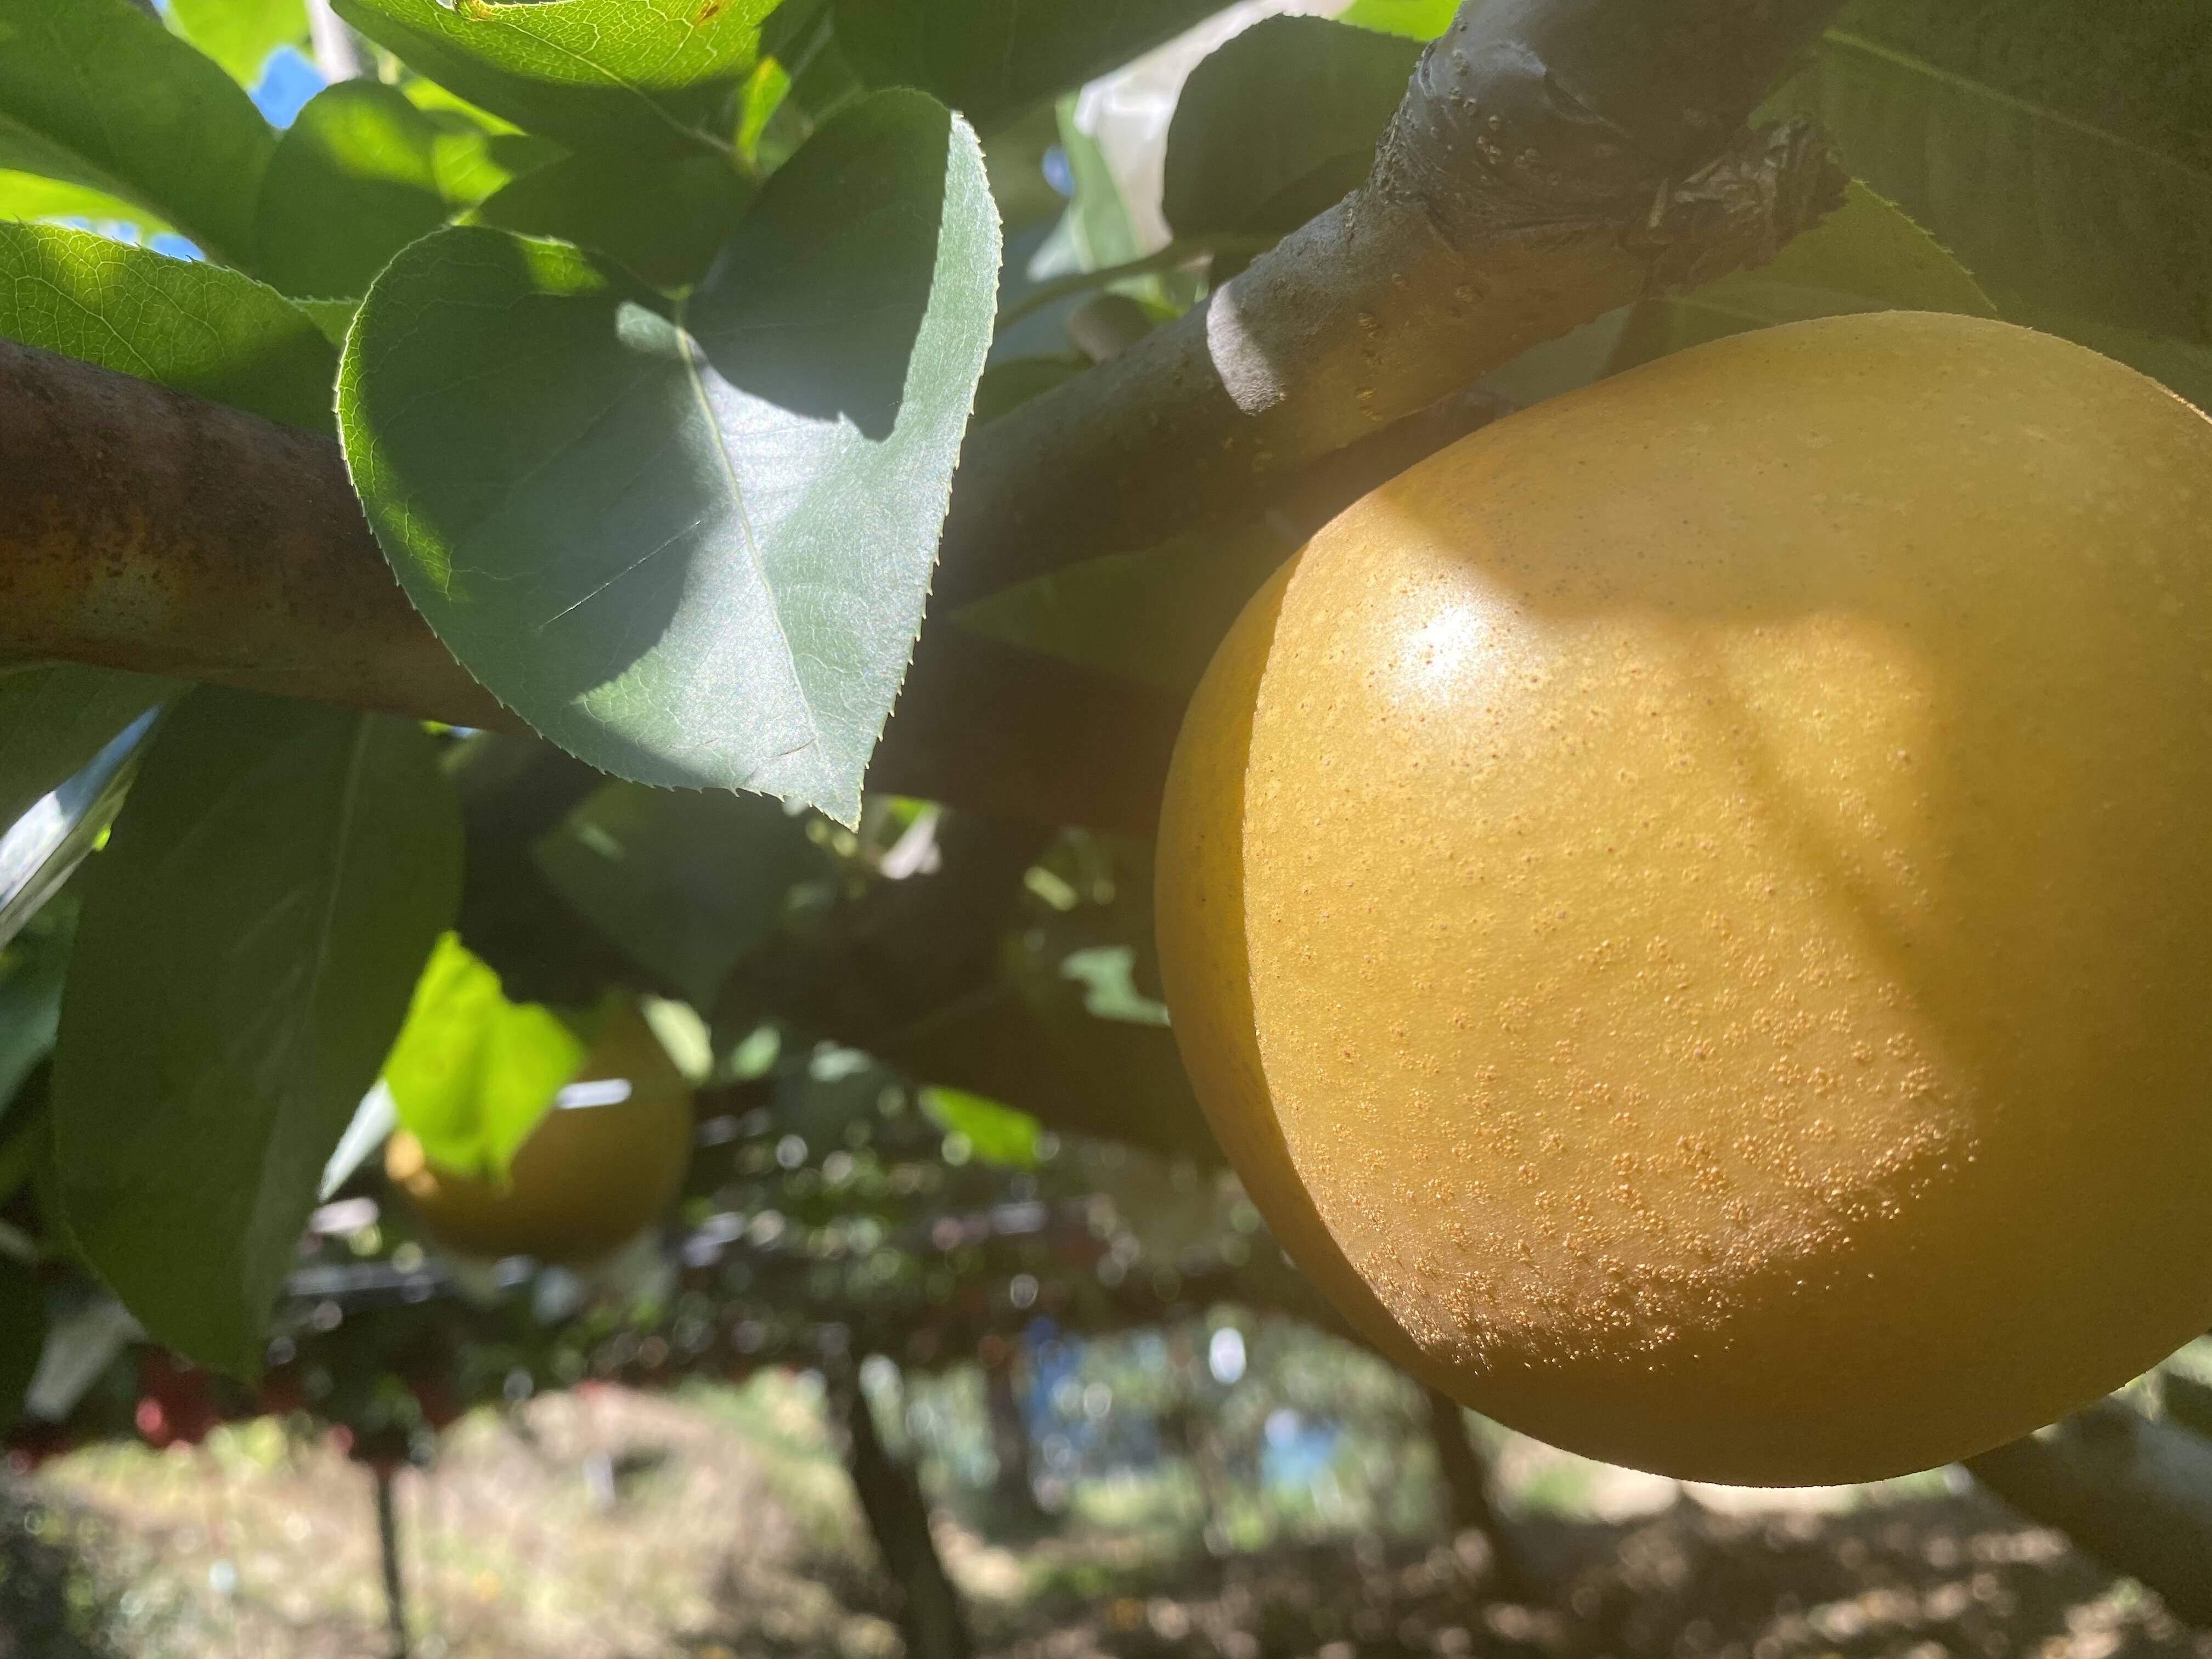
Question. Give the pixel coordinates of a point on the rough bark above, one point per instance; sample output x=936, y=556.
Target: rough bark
x=1553, y=159
x=2135, y=1493
x=144, y=528
x=931, y=1619
x=148, y=529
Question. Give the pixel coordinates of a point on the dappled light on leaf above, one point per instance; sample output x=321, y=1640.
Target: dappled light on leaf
x=361, y=173
x=97, y=93
x=196, y=327
x=472, y=1073
x=690, y=543
x=633, y=74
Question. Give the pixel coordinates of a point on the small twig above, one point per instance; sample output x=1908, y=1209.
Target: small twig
x=1174, y=257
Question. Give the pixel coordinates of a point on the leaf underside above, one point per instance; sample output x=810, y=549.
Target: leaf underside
x=248, y=944
x=2075, y=219
x=690, y=543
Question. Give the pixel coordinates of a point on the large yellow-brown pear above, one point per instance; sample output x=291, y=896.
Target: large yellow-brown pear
x=1692, y=909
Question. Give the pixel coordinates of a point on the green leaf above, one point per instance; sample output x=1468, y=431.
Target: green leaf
x=1871, y=250
x=765, y=90
x=22, y=1335
x=2187, y=1402
x=991, y=60
x=472, y=1073
x=1108, y=974
x=240, y=35
x=186, y=324
x=1007, y=386
x=1867, y=256
x=32, y=969
x=1279, y=123
x=361, y=173
x=331, y=318
x=823, y=84
x=41, y=851
x=55, y=717
x=1017, y=157
x=1153, y=616
x=1094, y=234
x=2073, y=219
x=27, y=199
x=995, y=1133
x=1414, y=19
x=2185, y=368
x=246, y=951
x=688, y=883
x=1114, y=1078
x=97, y=93
x=444, y=102
x=690, y=543
x=635, y=74
x=2138, y=70
x=1096, y=225
x=660, y=220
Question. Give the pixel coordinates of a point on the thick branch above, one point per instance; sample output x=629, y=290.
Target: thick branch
x=2135, y=1493
x=1554, y=159
x=930, y=1615
x=146, y=529
x=1466, y=1475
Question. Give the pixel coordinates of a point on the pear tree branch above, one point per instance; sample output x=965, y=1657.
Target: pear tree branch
x=1553, y=159
x=2132, y=1490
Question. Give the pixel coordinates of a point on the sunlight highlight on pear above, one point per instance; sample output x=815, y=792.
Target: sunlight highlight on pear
x=1689, y=909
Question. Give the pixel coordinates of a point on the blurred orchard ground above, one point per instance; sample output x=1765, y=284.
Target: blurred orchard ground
x=716, y=1522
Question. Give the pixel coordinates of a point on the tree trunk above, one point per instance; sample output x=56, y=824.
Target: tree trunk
x=1189, y=1431
x=931, y=1617
x=387, y=1543
x=1013, y=1490
x=1467, y=1487
x=2135, y=1493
